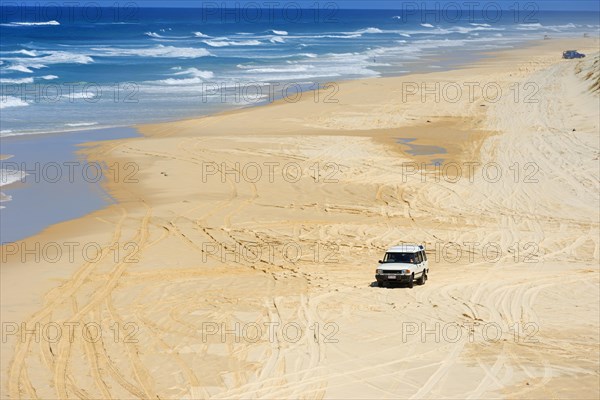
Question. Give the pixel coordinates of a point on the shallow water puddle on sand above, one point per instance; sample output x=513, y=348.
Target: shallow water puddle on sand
x=423, y=150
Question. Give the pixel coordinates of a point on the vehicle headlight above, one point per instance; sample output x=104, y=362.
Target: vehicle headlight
x=379, y=271
x=406, y=271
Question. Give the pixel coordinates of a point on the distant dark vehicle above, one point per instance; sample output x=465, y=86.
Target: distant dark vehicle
x=571, y=54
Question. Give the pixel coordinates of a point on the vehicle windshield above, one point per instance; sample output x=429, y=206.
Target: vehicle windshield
x=400, y=258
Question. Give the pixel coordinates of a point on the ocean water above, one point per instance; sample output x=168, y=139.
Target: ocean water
x=51, y=182
x=65, y=70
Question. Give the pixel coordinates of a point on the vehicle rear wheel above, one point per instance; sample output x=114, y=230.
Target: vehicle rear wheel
x=422, y=278
x=411, y=281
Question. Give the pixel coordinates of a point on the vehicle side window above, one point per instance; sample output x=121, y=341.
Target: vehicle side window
x=424, y=255
x=418, y=258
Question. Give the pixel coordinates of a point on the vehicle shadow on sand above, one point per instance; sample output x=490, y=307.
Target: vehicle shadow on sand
x=390, y=285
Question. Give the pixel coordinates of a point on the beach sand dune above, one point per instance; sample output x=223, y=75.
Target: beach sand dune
x=248, y=246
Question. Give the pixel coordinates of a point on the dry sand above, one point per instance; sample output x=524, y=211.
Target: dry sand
x=192, y=234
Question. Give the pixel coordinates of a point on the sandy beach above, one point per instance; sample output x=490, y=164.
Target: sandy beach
x=239, y=260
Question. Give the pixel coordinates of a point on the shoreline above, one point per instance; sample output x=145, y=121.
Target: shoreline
x=167, y=220
x=52, y=166
x=480, y=56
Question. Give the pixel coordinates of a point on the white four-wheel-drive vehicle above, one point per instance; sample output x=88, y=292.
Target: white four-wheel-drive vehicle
x=406, y=263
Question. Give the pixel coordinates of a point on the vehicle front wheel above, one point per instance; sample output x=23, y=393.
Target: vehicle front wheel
x=411, y=281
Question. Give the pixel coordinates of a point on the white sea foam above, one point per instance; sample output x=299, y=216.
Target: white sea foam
x=49, y=77
x=178, y=82
x=298, y=68
x=529, y=27
x=345, y=36
x=282, y=33
x=40, y=59
x=153, y=35
x=200, y=34
x=196, y=73
x=64, y=57
x=463, y=29
x=284, y=56
x=157, y=51
x=78, y=124
x=276, y=39
x=331, y=65
x=413, y=50
x=431, y=31
x=558, y=28
x=20, y=68
x=8, y=176
x=46, y=23
x=341, y=35
x=82, y=95
x=332, y=35
x=15, y=81
x=194, y=76
x=31, y=53
x=369, y=30
x=227, y=42
x=4, y=198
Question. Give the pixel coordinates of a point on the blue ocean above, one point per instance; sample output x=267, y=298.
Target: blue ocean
x=67, y=69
